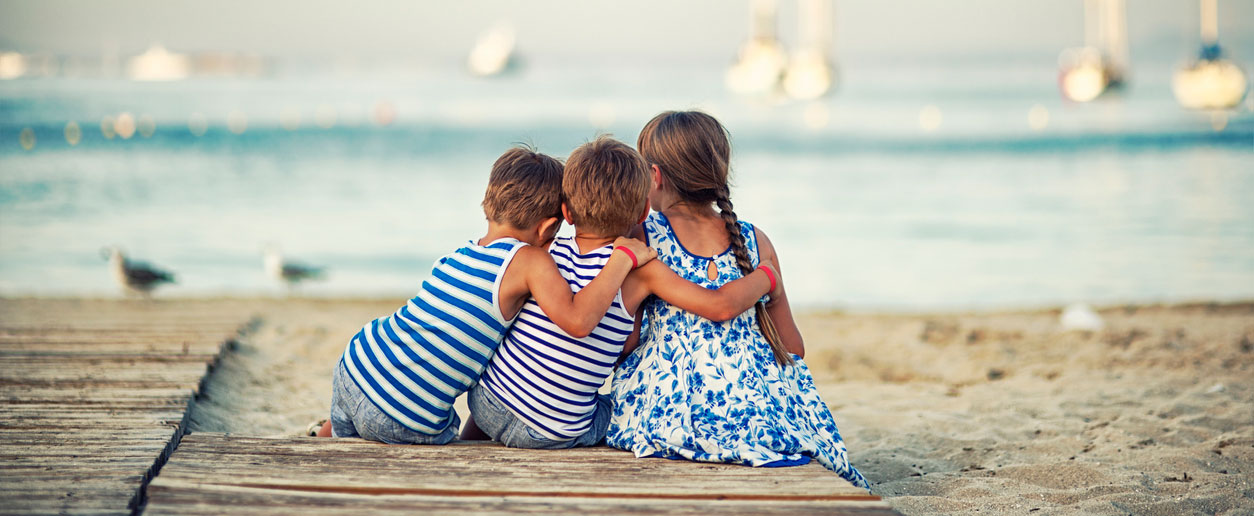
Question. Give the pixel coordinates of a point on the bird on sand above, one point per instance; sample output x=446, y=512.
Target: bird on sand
x=288, y=272
x=134, y=277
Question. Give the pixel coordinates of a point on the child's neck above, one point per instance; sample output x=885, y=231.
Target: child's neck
x=497, y=231
x=588, y=242
x=681, y=209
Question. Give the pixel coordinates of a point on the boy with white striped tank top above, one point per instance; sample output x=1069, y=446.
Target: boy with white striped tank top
x=540, y=388
x=399, y=375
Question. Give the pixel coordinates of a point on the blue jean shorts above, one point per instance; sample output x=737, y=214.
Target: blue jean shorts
x=496, y=420
x=354, y=415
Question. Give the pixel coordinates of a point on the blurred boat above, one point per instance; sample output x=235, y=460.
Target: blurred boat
x=1101, y=65
x=133, y=276
x=158, y=64
x=810, y=73
x=760, y=66
x=1210, y=82
x=493, y=53
x=12, y=65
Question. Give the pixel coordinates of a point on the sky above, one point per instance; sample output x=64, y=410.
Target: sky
x=643, y=31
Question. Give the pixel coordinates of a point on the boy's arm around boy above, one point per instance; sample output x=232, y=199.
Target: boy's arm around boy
x=532, y=273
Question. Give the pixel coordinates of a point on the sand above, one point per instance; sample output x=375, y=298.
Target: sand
x=986, y=413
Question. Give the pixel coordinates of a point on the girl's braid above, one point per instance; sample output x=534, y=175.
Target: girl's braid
x=741, y=252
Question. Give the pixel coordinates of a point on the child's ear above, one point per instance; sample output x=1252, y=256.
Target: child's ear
x=566, y=215
x=550, y=224
x=644, y=215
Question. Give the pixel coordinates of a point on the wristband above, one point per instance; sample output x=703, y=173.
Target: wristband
x=770, y=275
x=635, y=264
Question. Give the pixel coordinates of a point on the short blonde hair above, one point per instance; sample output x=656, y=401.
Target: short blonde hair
x=606, y=185
x=525, y=188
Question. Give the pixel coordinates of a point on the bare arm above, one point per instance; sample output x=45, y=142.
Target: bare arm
x=727, y=302
x=780, y=312
x=577, y=314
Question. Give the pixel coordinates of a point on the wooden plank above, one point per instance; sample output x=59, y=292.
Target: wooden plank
x=113, y=376
x=86, y=429
x=103, y=499
x=123, y=399
x=90, y=405
x=167, y=498
x=60, y=392
x=88, y=384
x=351, y=466
x=211, y=472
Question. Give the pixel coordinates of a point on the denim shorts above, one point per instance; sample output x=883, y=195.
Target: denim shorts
x=354, y=415
x=496, y=420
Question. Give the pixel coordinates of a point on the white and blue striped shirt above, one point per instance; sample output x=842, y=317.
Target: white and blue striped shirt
x=415, y=362
x=548, y=378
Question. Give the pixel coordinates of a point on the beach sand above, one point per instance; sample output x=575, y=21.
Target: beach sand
x=981, y=413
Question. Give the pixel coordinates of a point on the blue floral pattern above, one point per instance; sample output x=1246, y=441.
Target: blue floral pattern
x=712, y=392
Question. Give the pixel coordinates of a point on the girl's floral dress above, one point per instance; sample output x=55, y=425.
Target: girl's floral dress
x=712, y=392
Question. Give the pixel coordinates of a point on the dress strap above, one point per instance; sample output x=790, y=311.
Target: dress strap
x=751, y=241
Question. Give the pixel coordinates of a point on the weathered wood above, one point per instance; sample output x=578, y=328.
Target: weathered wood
x=168, y=498
x=91, y=404
x=314, y=476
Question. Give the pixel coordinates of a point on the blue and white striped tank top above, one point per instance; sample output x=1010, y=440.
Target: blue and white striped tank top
x=548, y=378
x=415, y=362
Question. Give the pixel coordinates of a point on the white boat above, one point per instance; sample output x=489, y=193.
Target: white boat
x=760, y=66
x=1101, y=65
x=493, y=52
x=1210, y=82
x=810, y=73
x=158, y=64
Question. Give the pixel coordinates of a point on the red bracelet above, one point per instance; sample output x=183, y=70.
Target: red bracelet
x=769, y=274
x=635, y=264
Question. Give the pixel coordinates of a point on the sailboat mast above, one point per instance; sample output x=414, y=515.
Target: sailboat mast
x=762, y=20
x=1210, y=22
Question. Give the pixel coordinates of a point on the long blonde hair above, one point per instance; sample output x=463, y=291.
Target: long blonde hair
x=693, y=152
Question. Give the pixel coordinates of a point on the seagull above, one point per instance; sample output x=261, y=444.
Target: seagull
x=134, y=277
x=290, y=273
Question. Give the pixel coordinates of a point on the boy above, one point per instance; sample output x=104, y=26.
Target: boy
x=399, y=375
x=540, y=388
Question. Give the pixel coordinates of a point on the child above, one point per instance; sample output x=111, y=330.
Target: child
x=540, y=389
x=399, y=375
x=701, y=390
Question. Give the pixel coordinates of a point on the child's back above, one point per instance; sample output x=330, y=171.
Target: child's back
x=549, y=378
x=736, y=391
x=400, y=374
x=415, y=362
x=540, y=389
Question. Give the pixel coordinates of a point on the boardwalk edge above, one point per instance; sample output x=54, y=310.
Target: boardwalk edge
x=139, y=500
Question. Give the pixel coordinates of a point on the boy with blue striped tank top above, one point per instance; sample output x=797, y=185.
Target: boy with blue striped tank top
x=540, y=388
x=399, y=375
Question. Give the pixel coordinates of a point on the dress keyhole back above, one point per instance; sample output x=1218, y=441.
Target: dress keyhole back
x=711, y=271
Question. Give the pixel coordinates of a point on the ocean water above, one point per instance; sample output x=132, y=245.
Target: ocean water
x=1130, y=199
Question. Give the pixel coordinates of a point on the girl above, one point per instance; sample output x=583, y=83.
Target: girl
x=735, y=391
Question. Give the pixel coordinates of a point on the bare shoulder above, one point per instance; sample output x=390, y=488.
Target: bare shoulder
x=766, y=250
x=526, y=259
x=528, y=256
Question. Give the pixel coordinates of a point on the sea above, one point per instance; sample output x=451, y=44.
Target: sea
x=912, y=186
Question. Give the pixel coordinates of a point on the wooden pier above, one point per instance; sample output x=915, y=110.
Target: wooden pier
x=322, y=476
x=94, y=396
x=94, y=399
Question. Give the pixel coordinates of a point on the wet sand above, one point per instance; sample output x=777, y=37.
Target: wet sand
x=983, y=413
